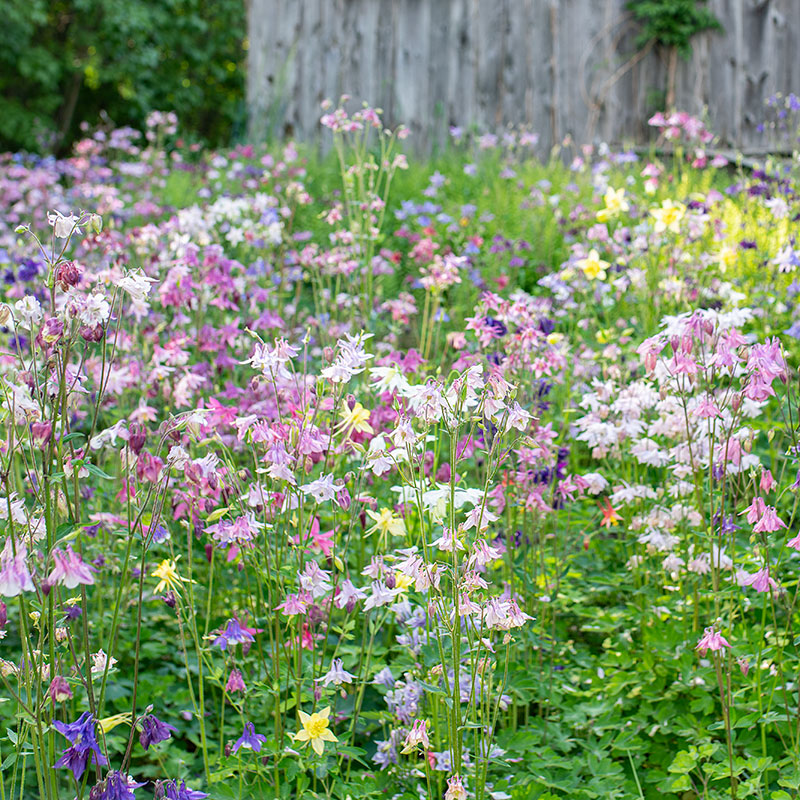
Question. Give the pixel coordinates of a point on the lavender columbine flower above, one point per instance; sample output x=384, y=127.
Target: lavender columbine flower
x=15, y=577
x=250, y=740
x=154, y=730
x=83, y=745
x=233, y=634
x=69, y=570
x=337, y=674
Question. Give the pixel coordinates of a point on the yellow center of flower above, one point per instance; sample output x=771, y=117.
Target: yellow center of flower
x=315, y=726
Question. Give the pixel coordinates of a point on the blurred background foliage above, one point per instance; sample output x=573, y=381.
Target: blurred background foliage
x=66, y=61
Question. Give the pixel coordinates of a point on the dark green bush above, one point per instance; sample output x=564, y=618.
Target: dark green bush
x=64, y=61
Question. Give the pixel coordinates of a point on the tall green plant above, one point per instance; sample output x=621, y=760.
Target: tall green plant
x=672, y=24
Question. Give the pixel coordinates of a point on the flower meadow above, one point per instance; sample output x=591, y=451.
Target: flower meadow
x=365, y=476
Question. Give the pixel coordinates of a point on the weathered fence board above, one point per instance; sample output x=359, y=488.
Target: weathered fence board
x=559, y=67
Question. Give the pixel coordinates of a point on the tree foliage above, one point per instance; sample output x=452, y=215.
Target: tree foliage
x=64, y=61
x=672, y=23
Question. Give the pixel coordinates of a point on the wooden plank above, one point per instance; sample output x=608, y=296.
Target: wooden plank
x=558, y=66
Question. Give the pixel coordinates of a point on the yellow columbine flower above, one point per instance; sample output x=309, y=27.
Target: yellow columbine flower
x=386, y=522
x=726, y=258
x=315, y=729
x=593, y=266
x=168, y=576
x=402, y=581
x=668, y=217
x=355, y=420
x=615, y=204
x=109, y=723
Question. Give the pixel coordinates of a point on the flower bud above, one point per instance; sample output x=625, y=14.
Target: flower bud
x=137, y=437
x=96, y=221
x=59, y=690
x=41, y=432
x=52, y=330
x=68, y=274
x=92, y=334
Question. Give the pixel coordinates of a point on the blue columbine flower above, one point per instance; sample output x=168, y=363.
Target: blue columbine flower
x=83, y=745
x=116, y=786
x=154, y=730
x=250, y=740
x=172, y=790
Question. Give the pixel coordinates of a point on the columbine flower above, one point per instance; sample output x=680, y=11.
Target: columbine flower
x=59, y=689
x=668, y=217
x=83, y=745
x=610, y=516
x=418, y=735
x=69, y=570
x=154, y=731
x=593, y=266
x=63, y=225
x=769, y=522
x=250, y=740
x=760, y=580
x=235, y=682
x=336, y=675
x=116, y=786
x=385, y=522
x=315, y=729
x=168, y=576
x=711, y=640
x=234, y=633
x=14, y=575
x=455, y=789
x=355, y=420
x=615, y=204
x=137, y=285
x=172, y=790
x=321, y=489
x=99, y=661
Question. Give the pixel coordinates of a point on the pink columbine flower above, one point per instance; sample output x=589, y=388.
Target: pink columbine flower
x=711, y=640
x=769, y=522
x=761, y=580
x=755, y=510
x=235, y=682
x=455, y=789
x=418, y=735
x=69, y=569
x=767, y=481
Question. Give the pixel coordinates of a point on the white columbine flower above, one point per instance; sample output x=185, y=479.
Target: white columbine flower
x=63, y=226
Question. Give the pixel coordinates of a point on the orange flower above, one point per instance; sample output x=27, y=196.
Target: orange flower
x=610, y=516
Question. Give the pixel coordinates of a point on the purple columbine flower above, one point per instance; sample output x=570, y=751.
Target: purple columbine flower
x=83, y=745
x=15, y=577
x=249, y=739
x=154, y=731
x=233, y=634
x=116, y=786
x=172, y=790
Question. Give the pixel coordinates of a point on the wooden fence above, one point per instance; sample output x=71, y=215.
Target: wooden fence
x=559, y=67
